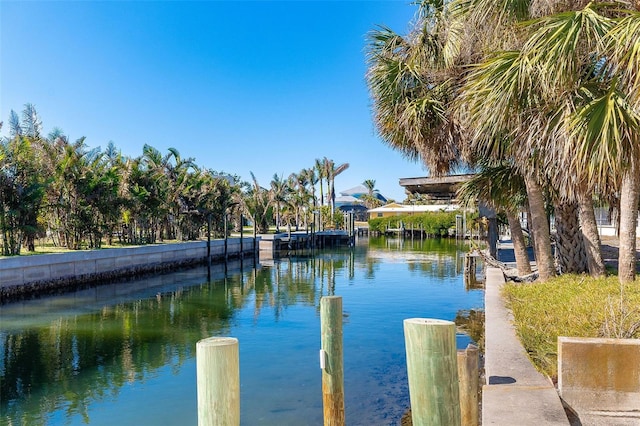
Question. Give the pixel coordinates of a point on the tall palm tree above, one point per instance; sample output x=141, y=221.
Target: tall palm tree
x=371, y=201
x=280, y=190
x=331, y=171
x=572, y=110
x=623, y=46
x=412, y=82
x=256, y=204
x=22, y=187
x=311, y=178
x=320, y=169
x=301, y=195
x=415, y=82
x=370, y=184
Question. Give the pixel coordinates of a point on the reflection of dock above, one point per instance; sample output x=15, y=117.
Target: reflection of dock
x=471, y=266
x=288, y=243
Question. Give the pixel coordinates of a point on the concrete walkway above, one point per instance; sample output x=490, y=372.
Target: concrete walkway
x=515, y=393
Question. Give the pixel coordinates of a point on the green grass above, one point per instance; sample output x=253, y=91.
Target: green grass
x=575, y=306
x=47, y=247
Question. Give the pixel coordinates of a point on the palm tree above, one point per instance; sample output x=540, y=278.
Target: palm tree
x=332, y=171
x=502, y=187
x=300, y=195
x=370, y=184
x=312, y=179
x=564, y=96
x=622, y=47
x=256, y=204
x=371, y=201
x=280, y=190
x=413, y=81
x=320, y=168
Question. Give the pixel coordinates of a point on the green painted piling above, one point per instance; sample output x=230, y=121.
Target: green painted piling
x=432, y=372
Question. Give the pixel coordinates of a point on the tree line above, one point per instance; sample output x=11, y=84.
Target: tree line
x=82, y=197
x=542, y=98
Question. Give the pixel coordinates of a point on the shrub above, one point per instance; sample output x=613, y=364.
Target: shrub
x=433, y=223
x=574, y=306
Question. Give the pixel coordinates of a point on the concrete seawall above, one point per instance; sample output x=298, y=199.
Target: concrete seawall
x=515, y=393
x=26, y=275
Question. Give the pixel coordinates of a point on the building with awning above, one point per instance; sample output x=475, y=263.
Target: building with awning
x=437, y=189
x=395, y=209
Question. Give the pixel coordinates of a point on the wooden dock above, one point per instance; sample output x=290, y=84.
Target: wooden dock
x=293, y=243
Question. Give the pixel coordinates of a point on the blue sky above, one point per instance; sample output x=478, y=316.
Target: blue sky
x=241, y=86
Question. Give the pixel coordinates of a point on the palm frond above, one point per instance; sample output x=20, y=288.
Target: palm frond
x=624, y=51
x=607, y=133
x=565, y=45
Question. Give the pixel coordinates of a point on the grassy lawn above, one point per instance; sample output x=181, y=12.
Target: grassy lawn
x=47, y=247
x=571, y=305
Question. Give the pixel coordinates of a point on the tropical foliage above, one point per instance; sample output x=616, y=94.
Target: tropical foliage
x=437, y=224
x=550, y=88
x=81, y=197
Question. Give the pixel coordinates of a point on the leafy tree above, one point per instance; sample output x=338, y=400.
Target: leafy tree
x=22, y=187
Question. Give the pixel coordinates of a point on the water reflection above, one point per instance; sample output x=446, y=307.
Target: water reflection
x=62, y=355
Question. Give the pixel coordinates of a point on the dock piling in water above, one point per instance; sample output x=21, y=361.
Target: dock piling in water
x=218, y=381
x=469, y=385
x=332, y=368
x=432, y=371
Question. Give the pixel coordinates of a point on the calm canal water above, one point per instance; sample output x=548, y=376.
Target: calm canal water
x=125, y=354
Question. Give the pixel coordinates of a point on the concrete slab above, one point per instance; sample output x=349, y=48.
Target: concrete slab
x=516, y=393
x=506, y=361
x=522, y=406
x=608, y=418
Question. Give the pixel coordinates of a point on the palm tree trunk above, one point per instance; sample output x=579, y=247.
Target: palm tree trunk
x=540, y=229
x=519, y=246
x=629, y=195
x=570, y=250
x=590, y=234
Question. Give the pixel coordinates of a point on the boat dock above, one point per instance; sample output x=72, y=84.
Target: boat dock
x=291, y=243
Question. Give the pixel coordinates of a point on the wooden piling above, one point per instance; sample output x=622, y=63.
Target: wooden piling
x=469, y=378
x=433, y=372
x=331, y=351
x=218, y=381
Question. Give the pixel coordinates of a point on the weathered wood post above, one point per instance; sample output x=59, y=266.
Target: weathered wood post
x=433, y=372
x=218, y=378
x=226, y=255
x=468, y=375
x=331, y=360
x=241, y=237
x=209, y=246
x=255, y=239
